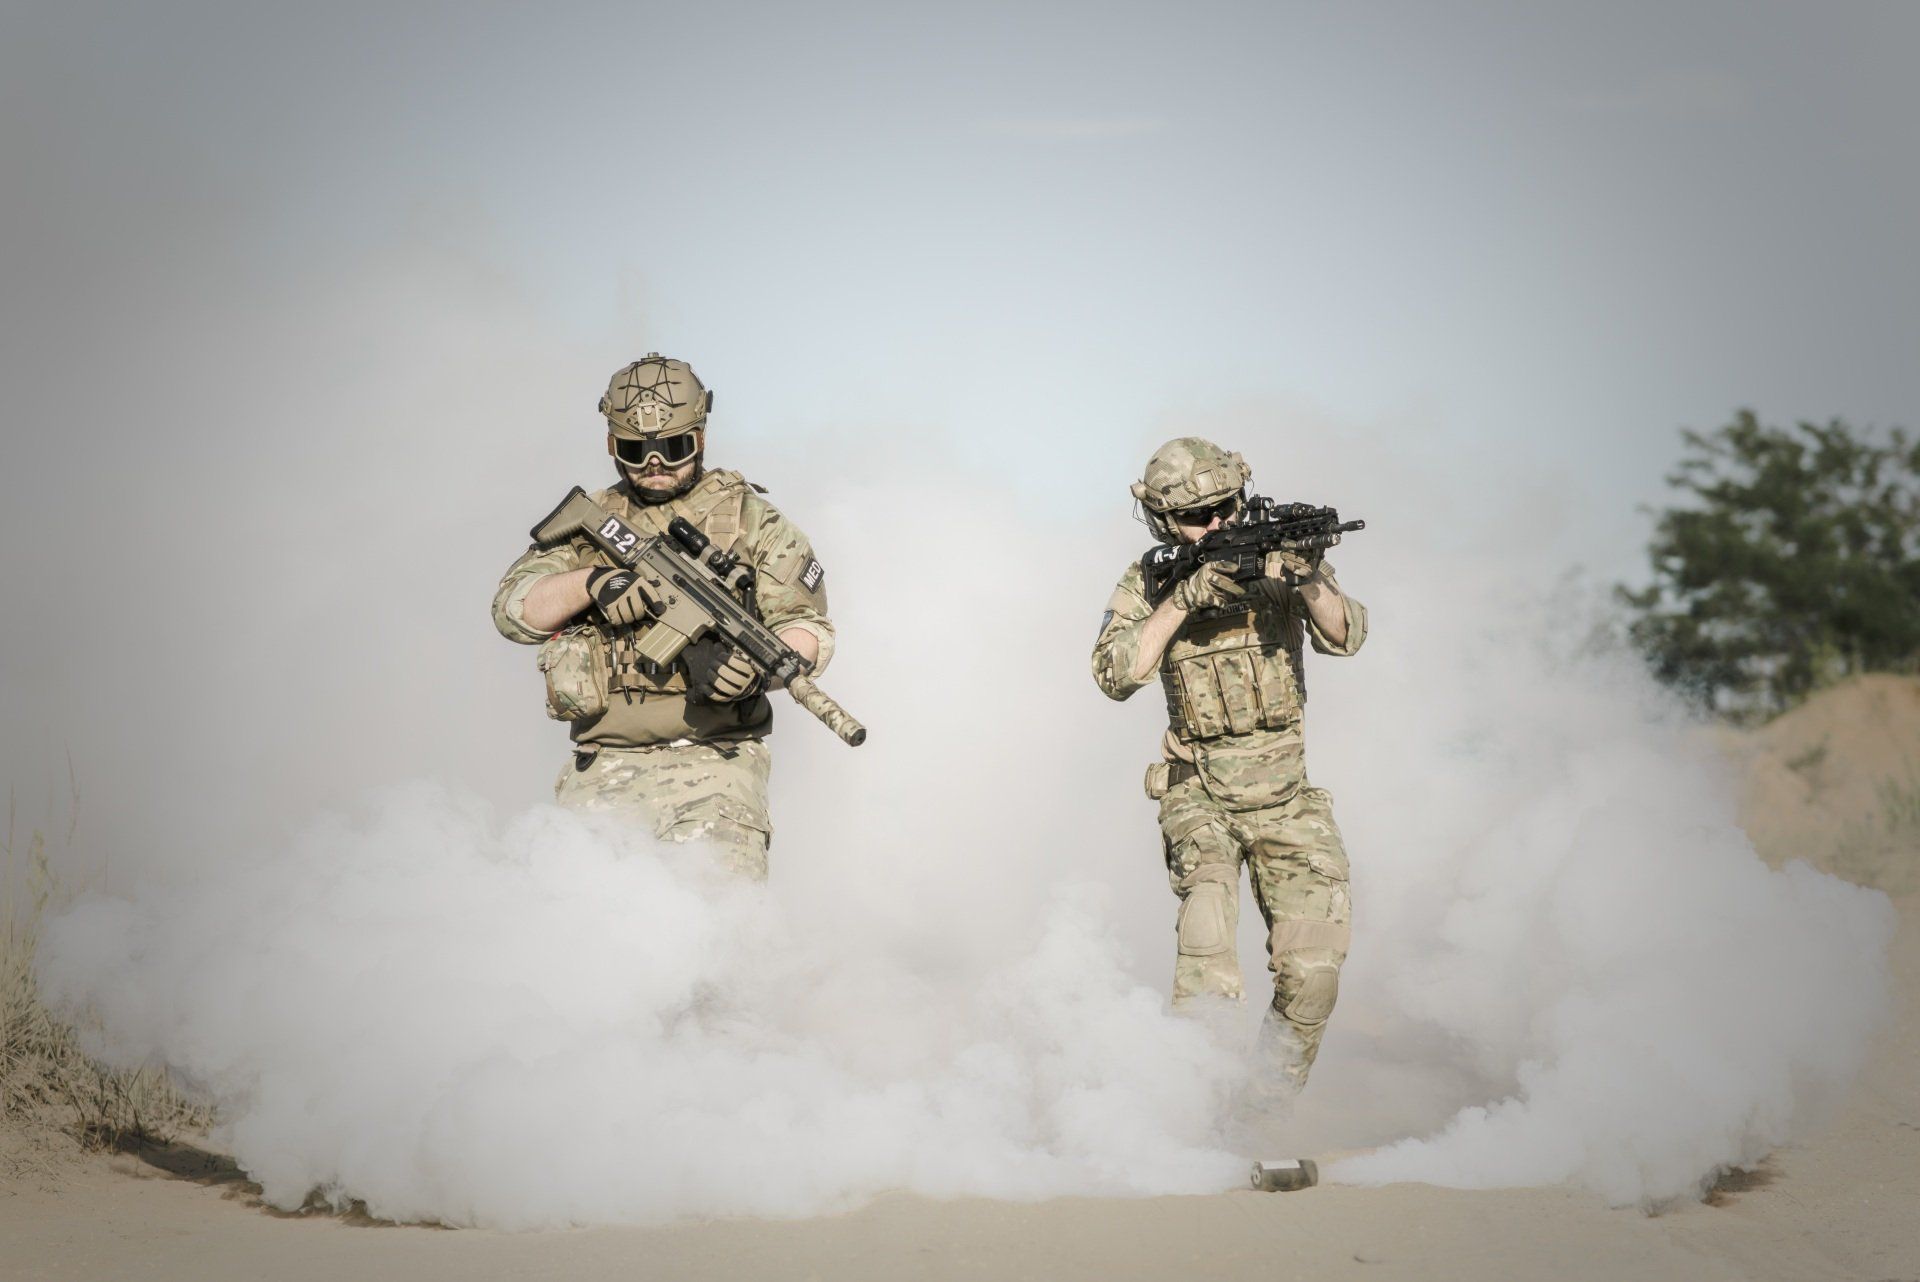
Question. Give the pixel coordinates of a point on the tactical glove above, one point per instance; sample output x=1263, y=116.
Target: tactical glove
x=617, y=595
x=1208, y=588
x=719, y=673
x=1293, y=568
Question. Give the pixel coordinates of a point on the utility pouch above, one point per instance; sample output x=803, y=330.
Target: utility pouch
x=1252, y=777
x=1158, y=780
x=574, y=663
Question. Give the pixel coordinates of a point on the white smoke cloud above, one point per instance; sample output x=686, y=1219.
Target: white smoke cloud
x=1569, y=965
x=554, y=1022
x=1606, y=985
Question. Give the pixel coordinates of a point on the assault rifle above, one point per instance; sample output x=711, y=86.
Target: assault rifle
x=690, y=590
x=1265, y=526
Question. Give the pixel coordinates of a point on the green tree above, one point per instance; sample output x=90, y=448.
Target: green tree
x=1791, y=560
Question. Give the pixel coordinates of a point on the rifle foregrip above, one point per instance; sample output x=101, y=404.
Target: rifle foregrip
x=832, y=715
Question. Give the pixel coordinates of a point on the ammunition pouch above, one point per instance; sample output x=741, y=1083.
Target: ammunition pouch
x=1236, y=691
x=1235, y=672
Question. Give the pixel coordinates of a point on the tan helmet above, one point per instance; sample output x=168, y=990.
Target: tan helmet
x=1187, y=472
x=655, y=396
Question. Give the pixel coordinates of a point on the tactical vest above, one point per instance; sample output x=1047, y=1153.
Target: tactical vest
x=648, y=704
x=1237, y=670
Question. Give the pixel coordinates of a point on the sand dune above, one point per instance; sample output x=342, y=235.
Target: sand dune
x=1837, y=782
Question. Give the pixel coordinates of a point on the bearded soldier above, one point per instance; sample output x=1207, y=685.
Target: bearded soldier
x=1233, y=783
x=680, y=745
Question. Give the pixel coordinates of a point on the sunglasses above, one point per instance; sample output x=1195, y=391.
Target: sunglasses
x=1205, y=515
x=670, y=450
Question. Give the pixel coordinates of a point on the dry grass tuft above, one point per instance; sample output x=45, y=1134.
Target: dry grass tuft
x=52, y=1094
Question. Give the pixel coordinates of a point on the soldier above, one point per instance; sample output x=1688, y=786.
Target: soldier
x=1233, y=784
x=680, y=746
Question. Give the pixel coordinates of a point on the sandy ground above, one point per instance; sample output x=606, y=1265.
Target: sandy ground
x=1844, y=1204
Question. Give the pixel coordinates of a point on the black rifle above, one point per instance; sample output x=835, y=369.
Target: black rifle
x=1265, y=526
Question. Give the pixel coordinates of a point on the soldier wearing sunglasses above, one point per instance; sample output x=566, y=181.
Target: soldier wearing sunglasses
x=1232, y=784
x=681, y=745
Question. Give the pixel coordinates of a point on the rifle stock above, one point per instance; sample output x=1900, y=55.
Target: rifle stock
x=568, y=519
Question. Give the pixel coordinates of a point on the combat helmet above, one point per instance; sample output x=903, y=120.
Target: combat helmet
x=657, y=407
x=1187, y=472
x=655, y=396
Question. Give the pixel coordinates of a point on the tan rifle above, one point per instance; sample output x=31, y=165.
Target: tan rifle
x=693, y=589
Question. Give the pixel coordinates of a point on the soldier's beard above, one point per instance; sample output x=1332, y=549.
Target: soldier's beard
x=634, y=476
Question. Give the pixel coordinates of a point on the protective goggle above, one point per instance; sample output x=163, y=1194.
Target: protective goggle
x=1223, y=509
x=671, y=450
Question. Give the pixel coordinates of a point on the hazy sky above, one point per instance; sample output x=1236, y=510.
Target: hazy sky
x=325, y=295
x=1561, y=230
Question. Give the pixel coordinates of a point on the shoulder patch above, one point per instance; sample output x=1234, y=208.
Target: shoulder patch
x=1106, y=621
x=811, y=576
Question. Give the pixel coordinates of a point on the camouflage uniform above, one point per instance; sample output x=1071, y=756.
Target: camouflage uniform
x=689, y=769
x=1233, y=787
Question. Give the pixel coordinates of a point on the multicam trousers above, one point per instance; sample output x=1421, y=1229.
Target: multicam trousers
x=712, y=792
x=1298, y=867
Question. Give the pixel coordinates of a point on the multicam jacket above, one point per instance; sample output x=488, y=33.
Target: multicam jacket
x=648, y=707
x=1234, y=679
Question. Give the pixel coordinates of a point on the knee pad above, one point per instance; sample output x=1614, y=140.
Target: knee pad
x=1205, y=924
x=1311, y=999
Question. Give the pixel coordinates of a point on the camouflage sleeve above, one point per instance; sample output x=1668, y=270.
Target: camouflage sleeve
x=1356, y=624
x=1118, y=647
x=792, y=591
x=510, y=598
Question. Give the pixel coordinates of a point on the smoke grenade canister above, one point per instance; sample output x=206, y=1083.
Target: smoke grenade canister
x=1286, y=1175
